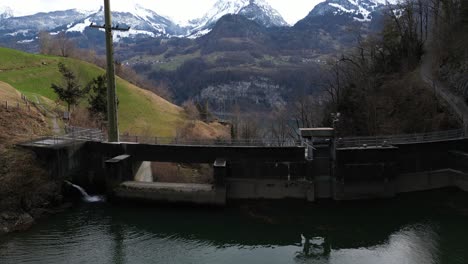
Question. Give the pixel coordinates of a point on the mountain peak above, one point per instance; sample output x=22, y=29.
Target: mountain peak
x=6, y=12
x=261, y=12
x=257, y=10
x=143, y=22
x=359, y=10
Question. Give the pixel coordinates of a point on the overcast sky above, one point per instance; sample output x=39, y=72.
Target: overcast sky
x=179, y=10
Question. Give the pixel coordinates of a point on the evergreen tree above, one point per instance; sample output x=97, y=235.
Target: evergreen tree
x=98, y=98
x=71, y=91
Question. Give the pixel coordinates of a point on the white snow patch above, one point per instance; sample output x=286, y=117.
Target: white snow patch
x=118, y=35
x=365, y=19
x=353, y=2
x=80, y=27
x=19, y=32
x=25, y=41
x=365, y=13
x=341, y=8
x=384, y=2
x=199, y=33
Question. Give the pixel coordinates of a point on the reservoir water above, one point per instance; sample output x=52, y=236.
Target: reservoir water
x=422, y=228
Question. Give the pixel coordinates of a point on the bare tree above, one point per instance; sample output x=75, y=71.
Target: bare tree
x=249, y=129
x=306, y=112
x=280, y=129
x=45, y=43
x=65, y=46
x=244, y=127
x=191, y=110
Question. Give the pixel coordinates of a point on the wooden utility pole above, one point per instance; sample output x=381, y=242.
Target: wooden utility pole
x=112, y=121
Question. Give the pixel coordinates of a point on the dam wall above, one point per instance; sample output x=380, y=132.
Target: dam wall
x=263, y=172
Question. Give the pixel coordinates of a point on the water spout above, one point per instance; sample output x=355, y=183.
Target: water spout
x=85, y=196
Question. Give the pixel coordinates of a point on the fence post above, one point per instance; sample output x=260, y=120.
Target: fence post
x=6, y=105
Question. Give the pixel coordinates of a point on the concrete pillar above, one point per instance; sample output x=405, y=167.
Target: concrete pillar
x=118, y=170
x=144, y=173
x=220, y=172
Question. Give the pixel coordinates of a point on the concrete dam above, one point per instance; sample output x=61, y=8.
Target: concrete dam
x=319, y=167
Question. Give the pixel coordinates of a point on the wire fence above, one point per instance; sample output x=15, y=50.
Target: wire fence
x=400, y=139
x=24, y=104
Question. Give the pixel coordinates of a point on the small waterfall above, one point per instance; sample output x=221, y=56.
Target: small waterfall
x=85, y=196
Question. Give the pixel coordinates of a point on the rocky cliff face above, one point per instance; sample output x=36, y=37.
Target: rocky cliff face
x=260, y=93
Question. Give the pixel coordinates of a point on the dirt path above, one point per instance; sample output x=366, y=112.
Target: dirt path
x=459, y=107
x=55, y=126
x=53, y=117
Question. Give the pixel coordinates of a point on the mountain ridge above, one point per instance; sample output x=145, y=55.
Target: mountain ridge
x=256, y=10
x=143, y=21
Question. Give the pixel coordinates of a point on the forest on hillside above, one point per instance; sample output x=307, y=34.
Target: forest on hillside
x=378, y=87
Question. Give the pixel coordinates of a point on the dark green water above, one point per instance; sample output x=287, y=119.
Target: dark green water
x=421, y=228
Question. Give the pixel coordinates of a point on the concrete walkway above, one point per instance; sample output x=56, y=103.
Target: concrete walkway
x=202, y=194
x=177, y=187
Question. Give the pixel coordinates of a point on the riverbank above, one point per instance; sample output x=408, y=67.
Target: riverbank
x=27, y=193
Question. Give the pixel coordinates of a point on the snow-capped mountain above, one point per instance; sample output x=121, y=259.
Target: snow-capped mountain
x=256, y=10
x=359, y=10
x=141, y=21
x=329, y=20
x=40, y=21
x=336, y=23
x=261, y=12
x=24, y=30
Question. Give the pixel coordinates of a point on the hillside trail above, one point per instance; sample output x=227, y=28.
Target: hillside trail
x=458, y=105
x=53, y=117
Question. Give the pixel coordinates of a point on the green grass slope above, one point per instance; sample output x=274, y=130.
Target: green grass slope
x=140, y=111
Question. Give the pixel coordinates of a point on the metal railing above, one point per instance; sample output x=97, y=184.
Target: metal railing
x=84, y=134
x=96, y=135
x=210, y=142
x=73, y=134
x=400, y=139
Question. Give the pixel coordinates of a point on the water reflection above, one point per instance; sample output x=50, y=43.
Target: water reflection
x=412, y=244
x=118, y=239
x=383, y=232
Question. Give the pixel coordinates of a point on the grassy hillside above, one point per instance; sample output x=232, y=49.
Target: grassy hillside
x=140, y=111
x=8, y=93
x=21, y=124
